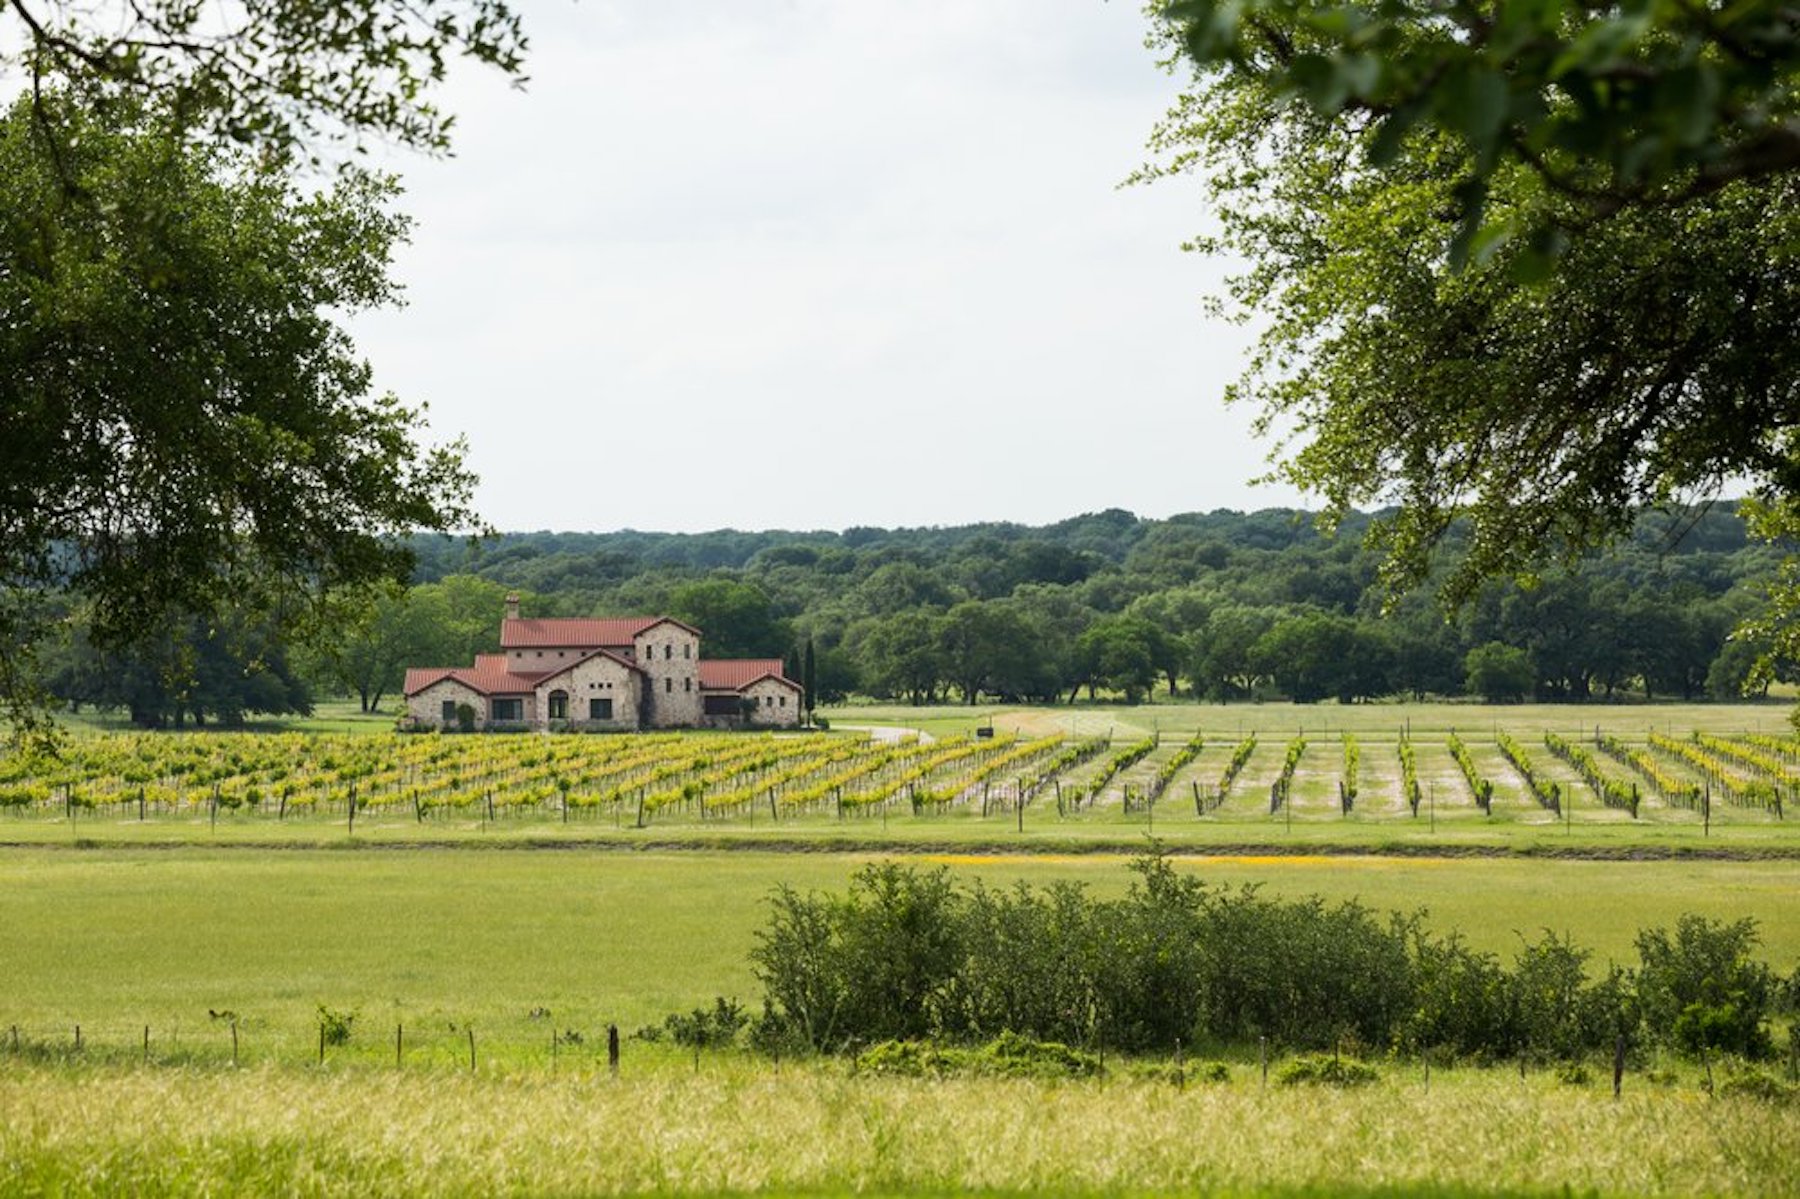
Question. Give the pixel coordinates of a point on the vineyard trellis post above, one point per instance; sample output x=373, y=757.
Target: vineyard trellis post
x=612, y=1049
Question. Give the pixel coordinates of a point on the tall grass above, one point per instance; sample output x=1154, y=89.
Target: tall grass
x=738, y=1126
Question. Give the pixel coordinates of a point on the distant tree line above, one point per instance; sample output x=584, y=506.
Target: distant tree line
x=1221, y=606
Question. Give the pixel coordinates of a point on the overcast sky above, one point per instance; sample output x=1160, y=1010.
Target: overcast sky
x=817, y=264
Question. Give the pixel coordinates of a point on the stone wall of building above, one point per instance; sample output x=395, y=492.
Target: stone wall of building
x=777, y=704
x=427, y=707
x=539, y=661
x=669, y=656
x=598, y=678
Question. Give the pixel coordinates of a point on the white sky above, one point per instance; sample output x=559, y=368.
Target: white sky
x=816, y=264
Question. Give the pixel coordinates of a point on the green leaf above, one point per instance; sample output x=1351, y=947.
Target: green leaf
x=1474, y=101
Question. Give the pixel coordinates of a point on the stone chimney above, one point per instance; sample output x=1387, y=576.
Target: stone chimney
x=512, y=605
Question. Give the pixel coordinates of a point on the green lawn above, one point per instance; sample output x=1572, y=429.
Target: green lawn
x=117, y=938
x=519, y=945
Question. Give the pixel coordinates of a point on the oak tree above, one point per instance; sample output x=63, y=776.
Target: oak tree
x=185, y=426
x=1536, y=369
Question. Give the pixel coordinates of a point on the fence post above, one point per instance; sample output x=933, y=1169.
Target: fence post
x=1618, y=1063
x=471, y=1049
x=612, y=1049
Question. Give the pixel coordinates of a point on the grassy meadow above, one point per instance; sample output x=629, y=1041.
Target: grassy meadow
x=520, y=946
x=195, y=959
x=117, y=938
x=736, y=1127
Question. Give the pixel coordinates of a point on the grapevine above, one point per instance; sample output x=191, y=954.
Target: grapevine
x=1483, y=789
x=1612, y=791
x=1546, y=791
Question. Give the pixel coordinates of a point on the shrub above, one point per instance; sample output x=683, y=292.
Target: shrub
x=1013, y=1056
x=1462, y=999
x=1181, y=1073
x=1320, y=1070
x=909, y=1059
x=1007, y=1056
x=1030, y=965
x=871, y=966
x=1754, y=1084
x=1300, y=972
x=702, y=1028
x=1560, y=1014
x=334, y=1026
x=1701, y=990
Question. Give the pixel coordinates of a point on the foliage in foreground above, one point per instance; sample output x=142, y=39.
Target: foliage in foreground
x=188, y=427
x=909, y=955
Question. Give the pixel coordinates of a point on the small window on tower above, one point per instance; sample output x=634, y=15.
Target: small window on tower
x=668, y=684
x=668, y=651
x=687, y=684
x=687, y=649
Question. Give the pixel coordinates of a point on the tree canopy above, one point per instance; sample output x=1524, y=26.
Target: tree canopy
x=1647, y=104
x=1421, y=354
x=284, y=74
x=187, y=426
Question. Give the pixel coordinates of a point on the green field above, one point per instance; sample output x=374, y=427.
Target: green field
x=117, y=938
x=441, y=941
x=159, y=938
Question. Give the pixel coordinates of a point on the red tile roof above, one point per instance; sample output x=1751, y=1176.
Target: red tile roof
x=590, y=634
x=734, y=674
x=581, y=633
x=488, y=676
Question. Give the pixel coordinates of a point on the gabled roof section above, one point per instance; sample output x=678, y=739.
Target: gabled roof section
x=420, y=677
x=488, y=676
x=735, y=674
x=627, y=663
x=582, y=633
x=661, y=620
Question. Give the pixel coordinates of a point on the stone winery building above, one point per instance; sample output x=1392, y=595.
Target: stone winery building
x=637, y=672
